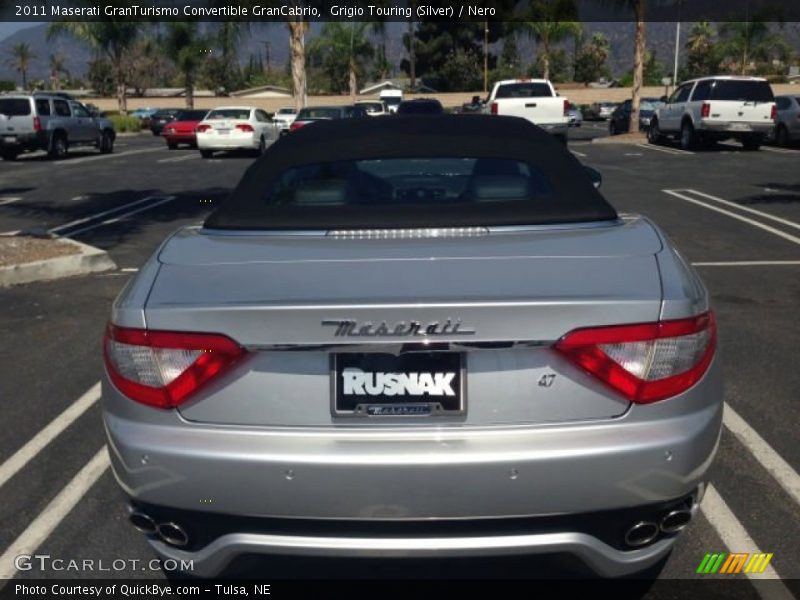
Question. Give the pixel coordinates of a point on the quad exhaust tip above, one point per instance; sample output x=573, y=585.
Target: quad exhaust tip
x=173, y=534
x=676, y=520
x=641, y=534
x=143, y=523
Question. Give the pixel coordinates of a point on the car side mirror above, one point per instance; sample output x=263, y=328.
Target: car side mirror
x=594, y=176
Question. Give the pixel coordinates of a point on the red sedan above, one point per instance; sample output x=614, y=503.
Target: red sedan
x=182, y=129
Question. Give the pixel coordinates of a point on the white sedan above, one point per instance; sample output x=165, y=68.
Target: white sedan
x=235, y=128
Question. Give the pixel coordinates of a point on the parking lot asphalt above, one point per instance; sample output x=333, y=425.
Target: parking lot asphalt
x=734, y=214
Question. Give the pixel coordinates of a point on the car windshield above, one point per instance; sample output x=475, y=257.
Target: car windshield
x=319, y=113
x=228, y=113
x=523, y=90
x=286, y=111
x=191, y=115
x=15, y=107
x=392, y=100
x=736, y=89
x=651, y=106
x=372, y=106
x=163, y=114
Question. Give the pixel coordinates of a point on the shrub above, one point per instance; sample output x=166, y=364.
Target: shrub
x=123, y=124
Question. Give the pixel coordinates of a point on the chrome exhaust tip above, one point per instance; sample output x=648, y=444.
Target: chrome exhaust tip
x=142, y=522
x=173, y=534
x=641, y=534
x=676, y=520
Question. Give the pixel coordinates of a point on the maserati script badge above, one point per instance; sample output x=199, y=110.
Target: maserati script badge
x=352, y=328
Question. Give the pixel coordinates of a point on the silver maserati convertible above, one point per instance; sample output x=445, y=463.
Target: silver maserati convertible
x=414, y=337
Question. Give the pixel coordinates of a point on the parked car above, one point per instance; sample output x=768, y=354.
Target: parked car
x=414, y=337
x=391, y=98
x=420, y=106
x=144, y=115
x=533, y=99
x=182, y=129
x=312, y=114
x=620, y=119
x=374, y=108
x=284, y=117
x=713, y=109
x=49, y=122
x=235, y=128
x=575, y=115
x=787, y=120
x=474, y=106
x=600, y=111
x=161, y=117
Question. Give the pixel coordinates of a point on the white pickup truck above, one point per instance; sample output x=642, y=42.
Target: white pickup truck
x=532, y=99
x=713, y=109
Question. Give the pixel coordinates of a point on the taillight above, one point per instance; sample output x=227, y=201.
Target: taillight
x=37, y=124
x=163, y=369
x=202, y=128
x=566, y=108
x=645, y=362
x=705, y=111
x=244, y=127
x=494, y=108
x=774, y=113
x=296, y=125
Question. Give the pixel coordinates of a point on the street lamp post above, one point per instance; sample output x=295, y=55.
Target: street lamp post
x=486, y=57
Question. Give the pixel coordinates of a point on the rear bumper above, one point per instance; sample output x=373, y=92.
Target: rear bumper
x=23, y=141
x=229, y=142
x=177, y=138
x=733, y=129
x=652, y=454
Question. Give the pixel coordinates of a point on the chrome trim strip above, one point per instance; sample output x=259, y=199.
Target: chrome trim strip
x=397, y=348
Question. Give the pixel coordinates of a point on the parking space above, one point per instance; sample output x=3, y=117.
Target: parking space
x=734, y=214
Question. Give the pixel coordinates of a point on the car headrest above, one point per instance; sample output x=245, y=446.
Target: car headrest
x=326, y=192
x=485, y=188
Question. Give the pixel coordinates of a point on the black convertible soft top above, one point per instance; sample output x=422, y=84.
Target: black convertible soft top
x=574, y=198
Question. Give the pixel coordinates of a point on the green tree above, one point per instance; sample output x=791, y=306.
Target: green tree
x=652, y=74
x=57, y=69
x=556, y=64
x=111, y=38
x=549, y=31
x=100, y=76
x=746, y=42
x=21, y=57
x=343, y=50
x=188, y=48
x=592, y=61
x=463, y=70
x=700, y=56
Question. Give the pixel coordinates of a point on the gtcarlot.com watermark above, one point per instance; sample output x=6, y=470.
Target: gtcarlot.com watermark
x=45, y=562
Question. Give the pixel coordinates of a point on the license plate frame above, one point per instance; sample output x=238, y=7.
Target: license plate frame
x=438, y=366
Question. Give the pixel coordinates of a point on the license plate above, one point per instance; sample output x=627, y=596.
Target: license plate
x=740, y=127
x=10, y=139
x=223, y=131
x=414, y=384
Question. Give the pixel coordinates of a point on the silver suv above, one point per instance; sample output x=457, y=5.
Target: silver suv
x=52, y=123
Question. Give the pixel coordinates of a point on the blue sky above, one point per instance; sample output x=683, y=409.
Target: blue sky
x=7, y=28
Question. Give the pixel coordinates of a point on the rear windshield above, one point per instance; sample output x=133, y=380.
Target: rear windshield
x=524, y=90
x=286, y=111
x=392, y=100
x=318, y=113
x=376, y=106
x=191, y=115
x=228, y=113
x=15, y=107
x=734, y=89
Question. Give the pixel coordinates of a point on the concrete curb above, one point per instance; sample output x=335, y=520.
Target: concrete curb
x=88, y=260
x=621, y=139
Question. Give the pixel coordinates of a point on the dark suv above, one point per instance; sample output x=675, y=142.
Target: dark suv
x=52, y=123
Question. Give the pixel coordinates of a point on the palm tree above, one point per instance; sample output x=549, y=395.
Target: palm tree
x=342, y=43
x=57, y=69
x=747, y=40
x=21, y=57
x=111, y=38
x=184, y=44
x=699, y=48
x=549, y=32
x=297, y=51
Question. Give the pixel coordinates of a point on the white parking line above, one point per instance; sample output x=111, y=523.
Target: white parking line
x=120, y=217
x=580, y=154
x=52, y=515
x=22, y=456
x=782, y=471
x=749, y=263
x=79, y=161
x=175, y=159
x=100, y=214
x=746, y=209
x=733, y=215
x=736, y=539
x=780, y=150
x=664, y=149
x=9, y=199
